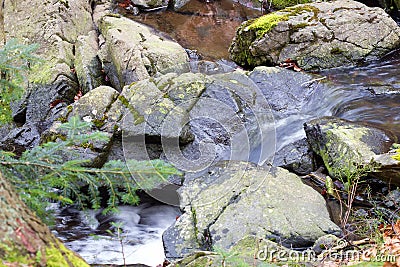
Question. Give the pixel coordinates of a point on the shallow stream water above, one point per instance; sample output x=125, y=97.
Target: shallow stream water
x=357, y=95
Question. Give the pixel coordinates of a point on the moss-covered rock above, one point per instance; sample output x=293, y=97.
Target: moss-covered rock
x=316, y=35
x=94, y=105
x=87, y=63
x=133, y=52
x=237, y=199
x=55, y=27
x=345, y=146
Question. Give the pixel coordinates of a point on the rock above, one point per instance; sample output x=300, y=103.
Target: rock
x=21, y=138
x=149, y=4
x=345, y=146
x=237, y=199
x=177, y=4
x=316, y=35
x=93, y=106
x=295, y=157
x=87, y=63
x=144, y=108
x=229, y=118
x=132, y=52
x=287, y=92
x=42, y=105
x=55, y=27
x=252, y=251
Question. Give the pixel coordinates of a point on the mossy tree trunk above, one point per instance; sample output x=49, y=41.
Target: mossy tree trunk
x=24, y=239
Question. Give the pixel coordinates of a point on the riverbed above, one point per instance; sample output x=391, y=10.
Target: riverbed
x=367, y=93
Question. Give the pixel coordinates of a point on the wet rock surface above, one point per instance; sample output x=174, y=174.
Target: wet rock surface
x=316, y=36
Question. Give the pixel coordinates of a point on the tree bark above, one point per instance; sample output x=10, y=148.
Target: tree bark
x=25, y=240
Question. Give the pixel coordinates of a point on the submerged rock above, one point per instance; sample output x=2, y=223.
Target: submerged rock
x=317, y=36
x=347, y=148
x=238, y=199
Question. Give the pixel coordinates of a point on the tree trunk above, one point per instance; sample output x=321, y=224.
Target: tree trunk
x=24, y=239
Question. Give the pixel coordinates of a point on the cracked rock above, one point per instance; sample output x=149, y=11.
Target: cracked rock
x=237, y=199
x=132, y=51
x=317, y=35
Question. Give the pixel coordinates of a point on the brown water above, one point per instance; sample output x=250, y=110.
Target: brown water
x=206, y=27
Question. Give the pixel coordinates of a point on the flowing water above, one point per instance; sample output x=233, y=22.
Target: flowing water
x=88, y=233
x=366, y=93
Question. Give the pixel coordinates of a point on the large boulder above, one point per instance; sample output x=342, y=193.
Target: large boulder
x=55, y=27
x=317, y=36
x=132, y=51
x=198, y=118
x=347, y=148
x=236, y=199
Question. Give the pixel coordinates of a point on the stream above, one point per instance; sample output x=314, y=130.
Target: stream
x=208, y=28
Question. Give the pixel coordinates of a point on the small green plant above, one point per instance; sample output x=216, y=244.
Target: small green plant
x=43, y=175
x=350, y=176
x=119, y=236
x=15, y=60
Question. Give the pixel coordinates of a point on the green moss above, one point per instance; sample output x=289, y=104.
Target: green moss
x=397, y=156
x=42, y=73
x=12, y=254
x=138, y=118
x=280, y=4
x=99, y=122
x=299, y=26
x=264, y=24
x=55, y=257
x=293, y=11
x=336, y=50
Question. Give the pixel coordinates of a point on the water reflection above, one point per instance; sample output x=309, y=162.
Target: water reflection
x=206, y=27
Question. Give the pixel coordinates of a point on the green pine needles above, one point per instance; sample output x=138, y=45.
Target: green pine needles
x=15, y=59
x=43, y=175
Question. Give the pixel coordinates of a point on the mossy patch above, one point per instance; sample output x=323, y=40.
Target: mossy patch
x=42, y=73
x=264, y=24
x=280, y=4
x=56, y=257
x=138, y=118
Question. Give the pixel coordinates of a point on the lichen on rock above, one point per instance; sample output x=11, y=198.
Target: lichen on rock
x=316, y=35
